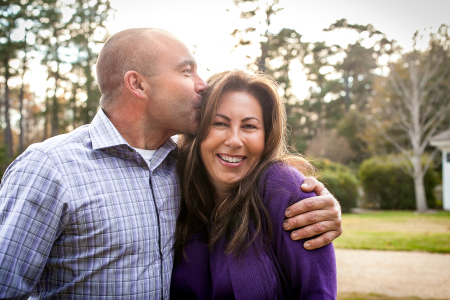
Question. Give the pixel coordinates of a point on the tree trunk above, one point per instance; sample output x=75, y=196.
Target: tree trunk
x=74, y=106
x=21, y=95
x=91, y=102
x=419, y=187
x=8, y=132
x=347, y=92
x=21, y=117
x=262, y=58
x=46, y=113
x=421, y=199
x=55, y=108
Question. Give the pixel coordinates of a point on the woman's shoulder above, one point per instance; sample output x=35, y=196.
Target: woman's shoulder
x=282, y=175
x=280, y=186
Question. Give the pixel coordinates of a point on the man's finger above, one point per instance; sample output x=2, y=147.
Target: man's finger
x=311, y=184
x=311, y=218
x=316, y=229
x=322, y=240
x=310, y=204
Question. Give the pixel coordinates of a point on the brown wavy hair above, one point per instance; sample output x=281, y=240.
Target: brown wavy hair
x=232, y=215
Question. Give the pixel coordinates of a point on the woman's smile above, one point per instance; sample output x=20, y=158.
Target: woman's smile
x=231, y=161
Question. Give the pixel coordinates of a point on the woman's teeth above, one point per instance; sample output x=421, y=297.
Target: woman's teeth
x=231, y=159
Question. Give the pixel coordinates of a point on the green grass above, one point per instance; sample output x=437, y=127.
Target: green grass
x=357, y=296
x=396, y=230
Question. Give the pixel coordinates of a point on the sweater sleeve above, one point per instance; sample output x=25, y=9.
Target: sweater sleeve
x=309, y=274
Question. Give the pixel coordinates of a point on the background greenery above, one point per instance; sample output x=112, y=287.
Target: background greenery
x=386, y=185
x=355, y=109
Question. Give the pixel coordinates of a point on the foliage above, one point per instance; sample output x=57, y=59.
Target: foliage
x=343, y=80
x=278, y=51
x=328, y=144
x=386, y=184
x=4, y=161
x=396, y=230
x=353, y=127
x=64, y=36
x=414, y=105
x=340, y=181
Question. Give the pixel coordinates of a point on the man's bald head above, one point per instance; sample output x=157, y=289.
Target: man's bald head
x=133, y=49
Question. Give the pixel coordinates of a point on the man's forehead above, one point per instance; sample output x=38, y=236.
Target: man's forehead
x=178, y=53
x=187, y=62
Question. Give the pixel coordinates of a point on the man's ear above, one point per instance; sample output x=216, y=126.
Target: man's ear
x=135, y=83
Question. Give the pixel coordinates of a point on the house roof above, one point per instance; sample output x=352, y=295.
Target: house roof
x=443, y=136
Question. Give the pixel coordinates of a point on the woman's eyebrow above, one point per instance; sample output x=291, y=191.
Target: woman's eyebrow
x=250, y=118
x=222, y=116
x=243, y=120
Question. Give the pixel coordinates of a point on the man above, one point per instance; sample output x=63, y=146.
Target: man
x=91, y=214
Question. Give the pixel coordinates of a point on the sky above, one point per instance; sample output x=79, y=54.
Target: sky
x=207, y=24
x=205, y=27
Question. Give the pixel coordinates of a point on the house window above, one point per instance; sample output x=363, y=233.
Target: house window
x=448, y=157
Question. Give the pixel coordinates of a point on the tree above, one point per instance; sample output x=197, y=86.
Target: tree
x=12, y=14
x=420, y=104
x=30, y=17
x=278, y=51
x=358, y=68
x=88, y=30
x=343, y=79
x=74, y=93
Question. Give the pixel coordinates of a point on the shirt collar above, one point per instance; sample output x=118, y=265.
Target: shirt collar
x=104, y=135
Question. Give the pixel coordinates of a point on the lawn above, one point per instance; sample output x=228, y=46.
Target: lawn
x=356, y=296
x=396, y=230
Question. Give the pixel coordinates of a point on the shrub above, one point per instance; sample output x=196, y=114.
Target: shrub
x=4, y=162
x=340, y=181
x=386, y=184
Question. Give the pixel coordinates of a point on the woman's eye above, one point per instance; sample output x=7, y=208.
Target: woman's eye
x=249, y=126
x=219, y=124
x=188, y=71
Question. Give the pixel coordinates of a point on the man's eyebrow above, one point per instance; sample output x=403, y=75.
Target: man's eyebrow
x=185, y=62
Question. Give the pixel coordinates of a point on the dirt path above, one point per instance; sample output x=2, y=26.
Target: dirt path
x=394, y=273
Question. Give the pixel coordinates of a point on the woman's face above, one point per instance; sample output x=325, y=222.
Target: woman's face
x=235, y=142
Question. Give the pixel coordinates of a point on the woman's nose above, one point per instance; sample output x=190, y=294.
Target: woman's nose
x=234, y=139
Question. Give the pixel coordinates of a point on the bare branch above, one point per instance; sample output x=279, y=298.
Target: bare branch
x=430, y=160
x=391, y=140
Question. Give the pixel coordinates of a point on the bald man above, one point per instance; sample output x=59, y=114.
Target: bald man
x=91, y=214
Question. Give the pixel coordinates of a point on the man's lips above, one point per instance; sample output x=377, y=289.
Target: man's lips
x=231, y=160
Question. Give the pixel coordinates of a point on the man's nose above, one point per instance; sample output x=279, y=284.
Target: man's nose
x=200, y=85
x=234, y=139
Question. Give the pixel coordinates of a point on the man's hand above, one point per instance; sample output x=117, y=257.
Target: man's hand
x=320, y=215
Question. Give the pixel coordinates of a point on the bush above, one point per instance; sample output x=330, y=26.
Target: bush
x=386, y=184
x=340, y=181
x=4, y=162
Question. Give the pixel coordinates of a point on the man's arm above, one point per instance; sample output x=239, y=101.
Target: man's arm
x=31, y=218
x=320, y=215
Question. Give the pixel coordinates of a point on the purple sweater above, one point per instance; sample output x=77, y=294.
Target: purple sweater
x=284, y=271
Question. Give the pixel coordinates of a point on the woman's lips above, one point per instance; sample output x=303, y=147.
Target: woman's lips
x=231, y=161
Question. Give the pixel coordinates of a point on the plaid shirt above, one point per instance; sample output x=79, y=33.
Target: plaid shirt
x=84, y=216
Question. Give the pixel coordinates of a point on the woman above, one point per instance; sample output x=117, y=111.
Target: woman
x=229, y=240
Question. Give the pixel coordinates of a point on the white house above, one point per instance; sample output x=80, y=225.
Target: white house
x=442, y=141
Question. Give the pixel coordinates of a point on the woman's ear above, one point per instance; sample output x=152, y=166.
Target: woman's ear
x=135, y=83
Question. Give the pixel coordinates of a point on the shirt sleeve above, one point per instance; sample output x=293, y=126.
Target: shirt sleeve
x=310, y=274
x=33, y=211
